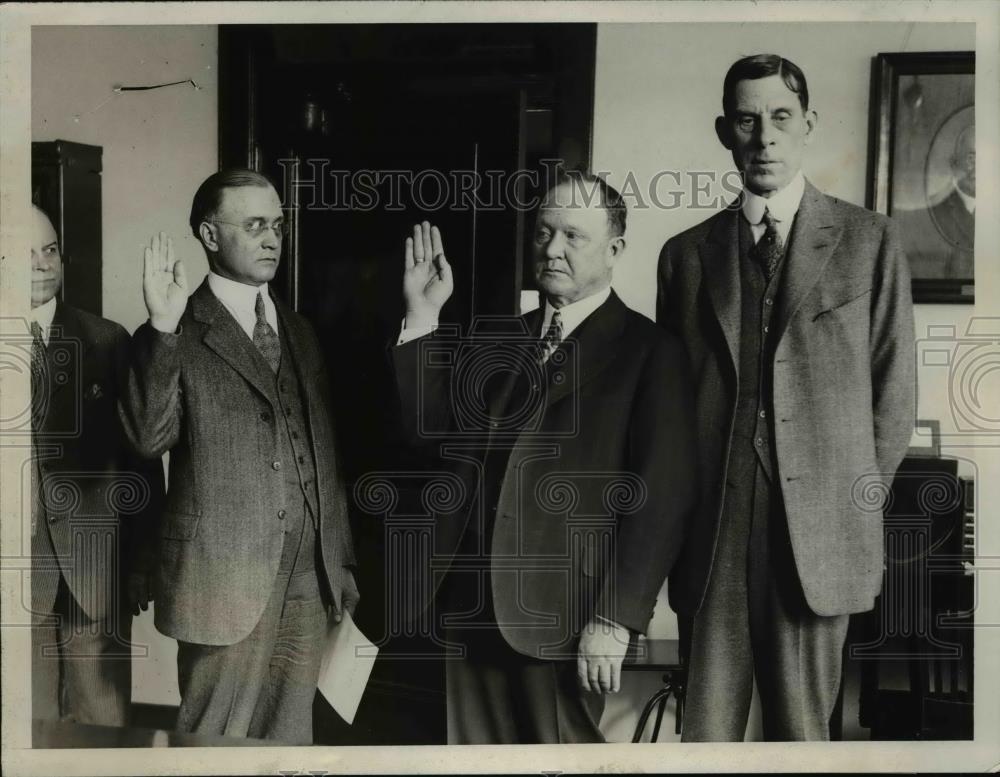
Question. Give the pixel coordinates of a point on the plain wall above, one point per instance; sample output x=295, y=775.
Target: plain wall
x=658, y=91
x=158, y=146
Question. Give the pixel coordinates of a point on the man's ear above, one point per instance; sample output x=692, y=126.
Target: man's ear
x=208, y=236
x=812, y=119
x=722, y=131
x=616, y=247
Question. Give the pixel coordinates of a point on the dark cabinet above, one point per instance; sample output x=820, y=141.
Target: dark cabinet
x=915, y=648
x=66, y=184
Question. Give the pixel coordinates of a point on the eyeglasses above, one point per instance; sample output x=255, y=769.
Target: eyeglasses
x=257, y=226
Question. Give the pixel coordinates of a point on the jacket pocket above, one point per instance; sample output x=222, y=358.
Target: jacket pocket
x=179, y=526
x=832, y=307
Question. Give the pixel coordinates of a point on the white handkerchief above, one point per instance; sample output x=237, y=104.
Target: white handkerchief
x=348, y=658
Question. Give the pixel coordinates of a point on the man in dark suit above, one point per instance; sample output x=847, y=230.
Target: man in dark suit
x=92, y=504
x=578, y=478
x=804, y=394
x=255, y=544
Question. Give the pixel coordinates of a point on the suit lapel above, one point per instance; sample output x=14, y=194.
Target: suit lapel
x=595, y=342
x=294, y=338
x=224, y=336
x=813, y=238
x=720, y=260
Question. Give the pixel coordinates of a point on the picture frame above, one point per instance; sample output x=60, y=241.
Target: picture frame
x=922, y=166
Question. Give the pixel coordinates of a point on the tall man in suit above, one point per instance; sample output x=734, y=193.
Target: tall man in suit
x=255, y=545
x=795, y=310
x=579, y=481
x=92, y=505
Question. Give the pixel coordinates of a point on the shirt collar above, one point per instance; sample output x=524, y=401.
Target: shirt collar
x=44, y=315
x=573, y=314
x=235, y=294
x=782, y=205
x=967, y=201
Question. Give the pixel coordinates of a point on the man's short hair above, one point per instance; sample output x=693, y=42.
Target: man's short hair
x=762, y=66
x=611, y=200
x=209, y=195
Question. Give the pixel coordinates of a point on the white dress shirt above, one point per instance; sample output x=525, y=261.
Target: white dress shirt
x=782, y=205
x=240, y=299
x=967, y=201
x=572, y=316
x=43, y=315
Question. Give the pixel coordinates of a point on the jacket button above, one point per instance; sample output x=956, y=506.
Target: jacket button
x=275, y=465
x=265, y=417
x=281, y=515
x=53, y=518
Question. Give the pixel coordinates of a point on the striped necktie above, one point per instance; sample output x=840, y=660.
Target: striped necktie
x=553, y=336
x=39, y=390
x=39, y=373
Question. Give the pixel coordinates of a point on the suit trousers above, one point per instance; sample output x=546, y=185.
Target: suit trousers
x=755, y=624
x=81, y=669
x=497, y=696
x=263, y=686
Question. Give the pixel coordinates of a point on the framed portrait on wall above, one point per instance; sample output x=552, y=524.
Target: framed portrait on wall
x=923, y=166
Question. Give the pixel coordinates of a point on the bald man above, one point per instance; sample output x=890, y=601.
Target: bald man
x=90, y=501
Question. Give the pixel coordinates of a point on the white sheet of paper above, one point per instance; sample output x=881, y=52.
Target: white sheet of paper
x=348, y=658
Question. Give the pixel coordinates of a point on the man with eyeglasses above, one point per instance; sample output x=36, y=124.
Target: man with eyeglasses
x=255, y=546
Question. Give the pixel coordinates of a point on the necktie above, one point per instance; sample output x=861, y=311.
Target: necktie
x=265, y=338
x=769, y=248
x=39, y=372
x=553, y=336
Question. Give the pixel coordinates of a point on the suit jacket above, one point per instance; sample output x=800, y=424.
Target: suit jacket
x=956, y=223
x=201, y=395
x=939, y=240
x=844, y=388
x=98, y=501
x=599, y=486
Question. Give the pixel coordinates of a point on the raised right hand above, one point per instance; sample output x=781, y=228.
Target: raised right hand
x=164, y=284
x=427, y=280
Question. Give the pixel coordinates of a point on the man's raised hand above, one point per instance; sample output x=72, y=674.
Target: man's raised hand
x=164, y=284
x=427, y=280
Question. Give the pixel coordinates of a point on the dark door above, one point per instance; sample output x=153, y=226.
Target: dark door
x=66, y=184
